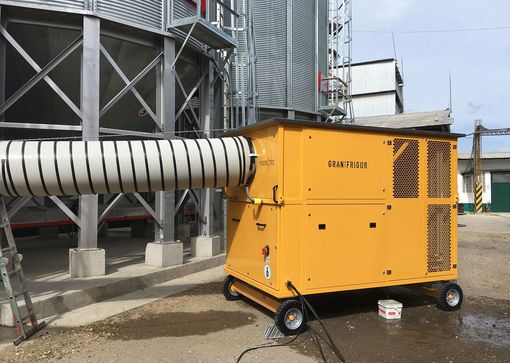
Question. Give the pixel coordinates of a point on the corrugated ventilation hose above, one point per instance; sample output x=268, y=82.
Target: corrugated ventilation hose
x=43, y=168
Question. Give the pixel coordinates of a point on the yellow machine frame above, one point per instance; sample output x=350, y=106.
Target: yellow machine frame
x=342, y=208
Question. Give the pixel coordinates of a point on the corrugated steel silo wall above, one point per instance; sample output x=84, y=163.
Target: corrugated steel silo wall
x=70, y=4
x=270, y=28
x=146, y=13
x=303, y=55
x=183, y=9
x=323, y=40
x=287, y=66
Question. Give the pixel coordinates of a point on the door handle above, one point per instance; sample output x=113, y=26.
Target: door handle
x=275, y=189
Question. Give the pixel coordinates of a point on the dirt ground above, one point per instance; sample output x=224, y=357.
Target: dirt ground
x=200, y=326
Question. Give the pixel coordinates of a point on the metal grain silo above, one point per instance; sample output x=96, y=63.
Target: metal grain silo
x=290, y=50
x=112, y=69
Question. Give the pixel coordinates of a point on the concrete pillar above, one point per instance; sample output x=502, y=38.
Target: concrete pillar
x=165, y=251
x=87, y=263
x=164, y=254
x=205, y=246
x=87, y=260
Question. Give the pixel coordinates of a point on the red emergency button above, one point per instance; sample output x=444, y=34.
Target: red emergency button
x=265, y=251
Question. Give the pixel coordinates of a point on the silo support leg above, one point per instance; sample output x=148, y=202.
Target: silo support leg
x=207, y=243
x=165, y=251
x=88, y=260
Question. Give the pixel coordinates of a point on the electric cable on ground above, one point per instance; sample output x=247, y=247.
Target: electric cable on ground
x=331, y=343
x=263, y=346
x=315, y=335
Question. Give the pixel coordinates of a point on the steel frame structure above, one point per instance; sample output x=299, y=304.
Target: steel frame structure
x=337, y=85
x=164, y=116
x=474, y=166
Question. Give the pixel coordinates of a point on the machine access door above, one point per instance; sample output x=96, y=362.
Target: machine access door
x=345, y=245
x=252, y=235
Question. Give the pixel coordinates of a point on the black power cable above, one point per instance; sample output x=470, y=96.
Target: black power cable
x=264, y=346
x=331, y=343
x=315, y=335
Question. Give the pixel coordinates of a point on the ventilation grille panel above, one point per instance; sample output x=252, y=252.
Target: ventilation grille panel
x=439, y=169
x=406, y=168
x=439, y=238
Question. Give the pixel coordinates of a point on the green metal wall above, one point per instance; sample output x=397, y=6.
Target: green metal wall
x=500, y=192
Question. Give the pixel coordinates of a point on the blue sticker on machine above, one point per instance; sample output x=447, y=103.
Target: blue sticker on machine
x=267, y=272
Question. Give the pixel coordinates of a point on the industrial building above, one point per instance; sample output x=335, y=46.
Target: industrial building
x=377, y=88
x=496, y=182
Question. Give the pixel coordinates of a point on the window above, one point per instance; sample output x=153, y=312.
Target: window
x=467, y=183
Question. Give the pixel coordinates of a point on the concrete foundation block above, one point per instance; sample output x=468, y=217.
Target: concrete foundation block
x=164, y=254
x=205, y=246
x=87, y=263
x=48, y=232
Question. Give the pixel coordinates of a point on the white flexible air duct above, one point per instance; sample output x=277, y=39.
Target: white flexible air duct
x=42, y=168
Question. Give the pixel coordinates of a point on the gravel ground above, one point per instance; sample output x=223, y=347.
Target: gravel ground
x=200, y=326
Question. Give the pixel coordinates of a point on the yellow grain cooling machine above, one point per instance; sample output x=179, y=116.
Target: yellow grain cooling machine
x=334, y=208
x=312, y=207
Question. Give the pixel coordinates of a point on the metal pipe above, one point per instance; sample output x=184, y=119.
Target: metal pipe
x=56, y=168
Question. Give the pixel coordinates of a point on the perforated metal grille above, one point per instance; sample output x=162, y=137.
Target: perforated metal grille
x=439, y=169
x=406, y=168
x=439, y=238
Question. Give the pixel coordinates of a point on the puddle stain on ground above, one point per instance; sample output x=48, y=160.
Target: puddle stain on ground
x=480, y=331
x=485, y=329
x=173, y=324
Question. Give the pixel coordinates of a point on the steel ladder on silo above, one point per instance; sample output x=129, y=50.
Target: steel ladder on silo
x=11, y=270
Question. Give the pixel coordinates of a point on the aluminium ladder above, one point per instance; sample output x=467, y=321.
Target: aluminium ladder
x=11, y=270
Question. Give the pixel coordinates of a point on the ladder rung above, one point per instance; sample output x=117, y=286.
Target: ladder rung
x=8, y=249
x=12, y=272
x=24, y=318
x=18, y=294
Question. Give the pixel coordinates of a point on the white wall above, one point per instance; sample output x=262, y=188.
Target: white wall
x=373, y=78
x=488, y=165
x=374, y=105
x=470, y=197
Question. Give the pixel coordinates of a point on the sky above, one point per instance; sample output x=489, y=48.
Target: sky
x=479, y=60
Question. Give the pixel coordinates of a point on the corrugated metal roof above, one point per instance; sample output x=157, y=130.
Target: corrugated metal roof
x=494, y=155
x=408, y=120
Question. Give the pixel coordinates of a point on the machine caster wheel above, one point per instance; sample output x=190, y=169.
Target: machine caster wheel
x=449, y=296
x=230, y=294
x=290, y=317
